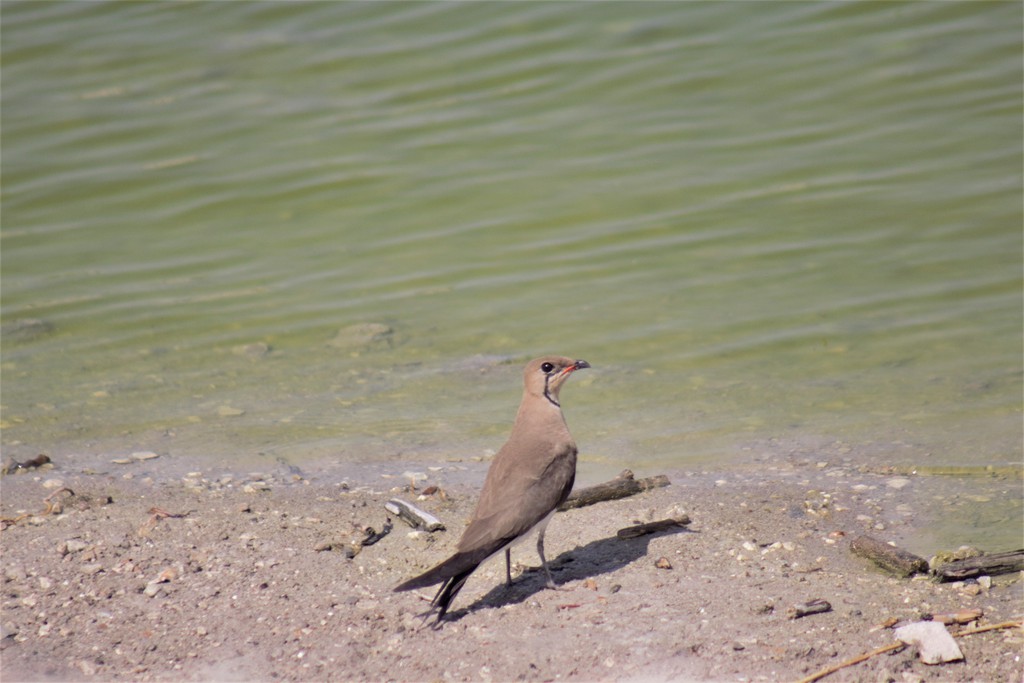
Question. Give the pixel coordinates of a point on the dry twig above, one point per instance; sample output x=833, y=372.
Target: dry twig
x=52, y=507
x=896, y=646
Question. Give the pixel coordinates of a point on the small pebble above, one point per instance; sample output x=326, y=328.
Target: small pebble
x=73, y=545
x=167, y=575
x=53, y=484
x=663, y=563
x=676, y=512
x=254, y=350
x=91, y=569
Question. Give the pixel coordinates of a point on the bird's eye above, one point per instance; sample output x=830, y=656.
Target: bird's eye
x=547, y=367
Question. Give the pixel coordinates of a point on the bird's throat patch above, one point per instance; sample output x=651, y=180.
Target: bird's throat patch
x=547, y=393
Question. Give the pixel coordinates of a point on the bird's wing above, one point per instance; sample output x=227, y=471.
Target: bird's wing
x=516, y=498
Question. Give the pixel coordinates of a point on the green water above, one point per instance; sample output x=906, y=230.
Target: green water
x=783, y=229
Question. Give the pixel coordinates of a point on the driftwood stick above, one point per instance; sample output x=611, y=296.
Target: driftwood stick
x=964, y=616
x=816, y=606
x=996, y=563
x=413, y=516
x=1013, y=623
x=850, y=662
x=653, y=527
x=621, y=486
x=890, y=558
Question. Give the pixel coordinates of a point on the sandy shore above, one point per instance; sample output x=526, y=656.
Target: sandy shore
x=236, y=589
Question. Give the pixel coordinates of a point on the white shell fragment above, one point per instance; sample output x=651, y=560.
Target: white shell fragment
x=933, y=641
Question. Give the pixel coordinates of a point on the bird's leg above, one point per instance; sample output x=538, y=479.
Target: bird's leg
x=508, y=567
x=544, y=563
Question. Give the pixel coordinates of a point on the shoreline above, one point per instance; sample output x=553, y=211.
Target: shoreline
x=235, y=589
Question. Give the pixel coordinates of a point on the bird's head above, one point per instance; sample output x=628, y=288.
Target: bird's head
x=543, y=377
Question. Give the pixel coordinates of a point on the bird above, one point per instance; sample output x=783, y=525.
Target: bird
x=528, y=479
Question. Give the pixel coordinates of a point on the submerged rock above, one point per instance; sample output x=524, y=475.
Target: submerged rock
x=363, y=335
x=25, y=330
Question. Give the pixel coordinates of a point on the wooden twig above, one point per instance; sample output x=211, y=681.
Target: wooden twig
x=621, y=486
x=1015, y=623
x=964, y=616
x=160, y=513
x=850, y=662
x=155, y=515
x=890, y=558
x=898, y=645
x=653, y=527
x=52, y=504
x=996, y=563
x=816, y=606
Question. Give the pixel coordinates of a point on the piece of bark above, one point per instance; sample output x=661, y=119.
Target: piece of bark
x=13, y=465
x=413, y=516
x=816, y=606
x=653, y=527
x=996, y=563
x=890, y=558
x=621, y=486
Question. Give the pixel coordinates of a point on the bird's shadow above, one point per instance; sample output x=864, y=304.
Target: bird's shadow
x=602, y=556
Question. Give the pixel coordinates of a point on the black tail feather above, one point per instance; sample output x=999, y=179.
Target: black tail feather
x=460, y=564
x=447, y=592
x=452, y=575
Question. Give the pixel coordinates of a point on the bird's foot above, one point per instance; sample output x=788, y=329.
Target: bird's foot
x=552, y=586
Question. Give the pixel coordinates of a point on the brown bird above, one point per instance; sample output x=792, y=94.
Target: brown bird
x=529, y=478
